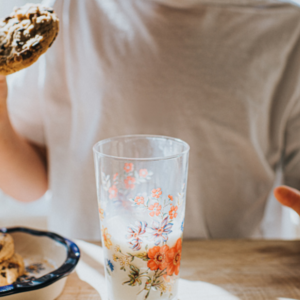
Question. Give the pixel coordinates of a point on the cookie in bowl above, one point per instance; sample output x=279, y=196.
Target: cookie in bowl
x=25, y=35
x=7, y=248
x=11, y=270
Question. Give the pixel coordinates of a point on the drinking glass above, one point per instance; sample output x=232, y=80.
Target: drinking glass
x=141, y=186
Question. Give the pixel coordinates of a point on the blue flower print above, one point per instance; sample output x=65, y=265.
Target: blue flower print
x=110, y=265
x=160, y=231
x=135, y=235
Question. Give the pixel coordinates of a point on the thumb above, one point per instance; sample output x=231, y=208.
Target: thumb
x=289, y=197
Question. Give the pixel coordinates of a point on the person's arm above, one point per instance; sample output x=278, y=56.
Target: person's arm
x=23, y=170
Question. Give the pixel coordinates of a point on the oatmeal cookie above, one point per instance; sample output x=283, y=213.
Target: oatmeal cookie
x=7, y=247
x=25, y=35
x=11, y=269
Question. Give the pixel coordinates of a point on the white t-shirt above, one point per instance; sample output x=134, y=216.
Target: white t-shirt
x=221, y=75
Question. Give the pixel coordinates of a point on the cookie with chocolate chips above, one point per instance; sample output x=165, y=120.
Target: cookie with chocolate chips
x=25, y=35
x=7, y=247
x=11, y=269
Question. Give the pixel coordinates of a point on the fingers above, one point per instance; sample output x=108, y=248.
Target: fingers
x=2, y=78
x=289, y=197
x=3, y=89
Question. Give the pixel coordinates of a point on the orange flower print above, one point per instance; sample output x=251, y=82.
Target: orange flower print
x=170, y=197
x=128, y=167
x=155, y=209
x=106, y=238
x=129, y=182
x=173, y=258
x=101, y=213
x=139, y=200
x=157, y=257
x=143, y=173
x=173, y=212
x=115, y=176
x=113, y=192
x=156, y=193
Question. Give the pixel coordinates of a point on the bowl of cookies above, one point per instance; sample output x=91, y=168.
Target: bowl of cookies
x=34, y=264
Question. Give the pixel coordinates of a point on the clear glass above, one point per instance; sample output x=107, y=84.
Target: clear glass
x=141, y=185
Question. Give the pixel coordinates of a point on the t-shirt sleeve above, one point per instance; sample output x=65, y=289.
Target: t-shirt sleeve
x=24, y=102
x=290, y=92
x=291, y=161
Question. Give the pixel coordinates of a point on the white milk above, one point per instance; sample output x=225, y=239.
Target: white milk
x=117, y=229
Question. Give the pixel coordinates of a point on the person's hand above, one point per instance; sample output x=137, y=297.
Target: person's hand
x=289, y=197
x=3, y=92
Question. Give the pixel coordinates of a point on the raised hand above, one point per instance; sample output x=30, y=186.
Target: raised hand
x=289, y=197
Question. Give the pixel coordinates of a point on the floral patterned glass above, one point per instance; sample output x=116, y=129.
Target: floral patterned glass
x=141, y=185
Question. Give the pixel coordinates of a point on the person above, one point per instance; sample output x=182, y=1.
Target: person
x=221, y=75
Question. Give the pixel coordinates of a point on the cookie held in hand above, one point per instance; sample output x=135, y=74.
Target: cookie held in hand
x=25, y=35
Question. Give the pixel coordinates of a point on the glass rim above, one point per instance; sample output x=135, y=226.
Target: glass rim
x=185, y=151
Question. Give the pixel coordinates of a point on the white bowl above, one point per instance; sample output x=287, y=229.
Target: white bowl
x=48, y=259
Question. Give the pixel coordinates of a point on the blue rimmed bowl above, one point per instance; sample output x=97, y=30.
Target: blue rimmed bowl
x=49, y=259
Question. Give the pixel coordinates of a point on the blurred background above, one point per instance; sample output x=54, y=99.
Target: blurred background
x=6, y=6
x=13, y=213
